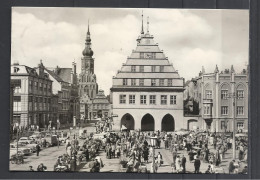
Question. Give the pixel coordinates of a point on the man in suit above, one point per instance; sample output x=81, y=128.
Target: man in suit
x=183, y=163
x=197, y=165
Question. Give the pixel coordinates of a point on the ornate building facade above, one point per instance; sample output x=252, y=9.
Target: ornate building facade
x=147, y=93
x=88, y=87
x=222, y=97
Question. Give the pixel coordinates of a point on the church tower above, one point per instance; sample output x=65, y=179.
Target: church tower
x=88, y=86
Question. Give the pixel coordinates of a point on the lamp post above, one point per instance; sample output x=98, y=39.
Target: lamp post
x=153, y=143
x=17, y=134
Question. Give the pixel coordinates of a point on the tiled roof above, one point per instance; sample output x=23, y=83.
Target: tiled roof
x=54, y=75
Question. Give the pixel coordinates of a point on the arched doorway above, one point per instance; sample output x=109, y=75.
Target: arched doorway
x=168, y=123
x=128, y=121
x=147, y=123
x=192, y=123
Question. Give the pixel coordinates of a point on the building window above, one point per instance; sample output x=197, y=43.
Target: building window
x=224, y=110
x=224, y=94
x=133, y=82
x=133, y=68
x=142, y=55
x=124, y=82
x=143, y=99
x=161, y=68
x=153, y=82
x=40, y=87
x=153, y=68
x=240, y=94
x=153, y=55
x=223, y=125
x=208, y=94
x=169, y=82
x=36, y=85
x=163, y=99
x=122, y=99
x=141, y=82
x=207, y=109
x=161, y=82
x=30, y=100
x=30, y=86
x=173, y=99
x=152, y=99
x=131, y=99
x=35, y=104
x=240, y=110
x=141, y=68
x=240, y=125
x=17, y=103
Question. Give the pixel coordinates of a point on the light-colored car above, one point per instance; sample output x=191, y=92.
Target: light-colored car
x=32, y=146
x=25, y=150
x=27, y=140
x=35, y=135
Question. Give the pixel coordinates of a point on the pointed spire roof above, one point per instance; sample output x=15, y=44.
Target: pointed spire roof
x=232, y=69
x=87, y=51
x=216, y=69
x=142, y=30
x=88, y=28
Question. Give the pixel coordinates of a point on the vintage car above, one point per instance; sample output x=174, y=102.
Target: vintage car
x=36, y=135
x=25, y=150
x=32, y=146
x=51, y=140
x=26, y=140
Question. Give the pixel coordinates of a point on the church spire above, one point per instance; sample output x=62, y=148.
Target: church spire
x=88, y=28
x=142, y=31
x=87, y=51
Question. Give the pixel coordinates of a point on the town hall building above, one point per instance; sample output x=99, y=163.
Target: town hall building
x=147, y=93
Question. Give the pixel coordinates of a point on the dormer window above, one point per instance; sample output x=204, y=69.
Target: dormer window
x=16, y=69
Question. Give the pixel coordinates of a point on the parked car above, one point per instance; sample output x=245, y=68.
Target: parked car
x=27, y=140
x=51, y=140
x=36, y=135
x=32, y=146
x=25, y=150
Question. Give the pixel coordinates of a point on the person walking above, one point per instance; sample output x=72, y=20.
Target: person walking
x=183, y=164
x=197, y=165
x=174, y=156
x=38, y=149
x=159, y=159
x=178, y=164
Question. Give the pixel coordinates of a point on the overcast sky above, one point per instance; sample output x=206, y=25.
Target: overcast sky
x=190, y=38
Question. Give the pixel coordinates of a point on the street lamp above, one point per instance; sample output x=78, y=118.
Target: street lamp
x=153, y=144
x=17, y=134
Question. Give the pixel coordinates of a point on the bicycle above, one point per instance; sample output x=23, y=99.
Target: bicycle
x=17, y=159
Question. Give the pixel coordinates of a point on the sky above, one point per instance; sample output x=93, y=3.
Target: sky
x=189, y=38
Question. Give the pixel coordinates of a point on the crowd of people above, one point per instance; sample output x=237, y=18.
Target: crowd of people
x=136, y=152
